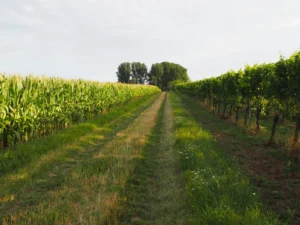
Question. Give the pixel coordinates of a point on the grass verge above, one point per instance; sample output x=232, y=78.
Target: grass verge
x=155, y=192
x=218, y=191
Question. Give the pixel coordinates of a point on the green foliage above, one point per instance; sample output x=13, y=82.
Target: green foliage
x=162, y=74
x=35, y=106
x=124, y=72
x=230, y=87
x=155, y=75
x=278, y=82
x=173, y=83
x=294, y=80
x=133, y=73
x=216, y=88
x=273, y=87
x=139, y=72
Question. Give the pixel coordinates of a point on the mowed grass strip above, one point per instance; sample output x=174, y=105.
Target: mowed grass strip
x=25, y=191
x=218, y=191
x=155, y=192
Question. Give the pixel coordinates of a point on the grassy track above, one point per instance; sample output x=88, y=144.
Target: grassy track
x=156, y=192
x=154, y=163
x=57, y=188
x=218, y=191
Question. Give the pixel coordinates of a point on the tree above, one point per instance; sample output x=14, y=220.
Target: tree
x=164, y=73
x=155, y=75
x=139, y=72
x=124, y=72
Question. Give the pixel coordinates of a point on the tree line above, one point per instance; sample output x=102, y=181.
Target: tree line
x=163, y=75
x=268, y=88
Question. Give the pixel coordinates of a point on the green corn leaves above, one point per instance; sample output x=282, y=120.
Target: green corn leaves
x=35, y=106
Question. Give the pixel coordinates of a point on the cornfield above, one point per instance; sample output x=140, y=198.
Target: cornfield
x=35, y=106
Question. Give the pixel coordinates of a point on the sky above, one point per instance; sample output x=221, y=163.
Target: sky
x=88, y=39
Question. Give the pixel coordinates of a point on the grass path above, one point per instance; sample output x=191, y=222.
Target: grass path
x=156, y=191
x=154, y=164
x=81, y=182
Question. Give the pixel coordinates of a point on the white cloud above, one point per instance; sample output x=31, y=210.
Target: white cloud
x=288, y=23
x=294, y=24
x=28, y=8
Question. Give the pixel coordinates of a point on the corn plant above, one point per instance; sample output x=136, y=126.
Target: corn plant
x=36, y=106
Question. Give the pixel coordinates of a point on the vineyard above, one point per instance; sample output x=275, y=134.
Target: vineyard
x=35, y=106
x=263, y=90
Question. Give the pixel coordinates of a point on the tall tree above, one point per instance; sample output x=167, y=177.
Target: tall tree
x=139, y=72
x=155, y=75
x=124, y=72
x=165, y=73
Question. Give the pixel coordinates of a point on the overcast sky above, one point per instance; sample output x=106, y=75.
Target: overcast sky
x=90, y=38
